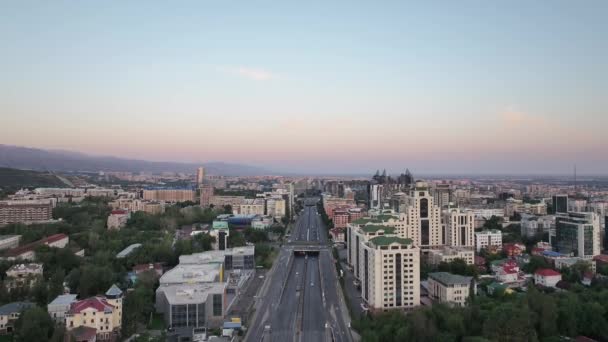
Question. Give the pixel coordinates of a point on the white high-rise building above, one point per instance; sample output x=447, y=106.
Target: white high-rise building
x=200, y=176
x=423, y=218
x=459, y=228
x=390, y=273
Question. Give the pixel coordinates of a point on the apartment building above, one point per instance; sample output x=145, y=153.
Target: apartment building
x=390, y=273
x=249, y=207
x=459, y=228
x=221, y=201
x=275, y=207
x=25, y=212
x=531, y=225
x=359, y=234
x=206, y=193
x=169, y=195
x=450, y=288
x=134, y=205
x=102, y=313
x=423, y=217
x=488, y=239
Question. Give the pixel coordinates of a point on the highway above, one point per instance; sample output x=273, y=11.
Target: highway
x=301, y=299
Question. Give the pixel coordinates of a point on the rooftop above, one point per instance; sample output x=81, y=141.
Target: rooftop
x=547, y=272
x=15, y=307
x=489, y=231
x=25, y=268
x=33, y=245
x=125, y=252
x=388, y=240
x=190, y=293
x=114, y=292
x=192, y=274
x=371, y=228
x=365, y=220
x=448, y=279
x=65, y=299
x=96, y=303
x=385, y=218
x=215, y=256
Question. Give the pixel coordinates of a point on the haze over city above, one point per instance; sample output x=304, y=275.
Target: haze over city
x=320, y=87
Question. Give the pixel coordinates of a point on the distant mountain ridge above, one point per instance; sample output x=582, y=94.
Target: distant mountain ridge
x=18, y=157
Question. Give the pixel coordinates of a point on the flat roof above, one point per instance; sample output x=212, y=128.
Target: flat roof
x=190, y=293
x=192, y=274
x=215, y=256
x=447, y=279
x=65, y=299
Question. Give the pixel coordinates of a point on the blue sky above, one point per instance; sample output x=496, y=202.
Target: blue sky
x=440, y=87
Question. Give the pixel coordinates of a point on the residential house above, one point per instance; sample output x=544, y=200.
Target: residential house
x=547, y=277
x=9, y=313
x=102, y=313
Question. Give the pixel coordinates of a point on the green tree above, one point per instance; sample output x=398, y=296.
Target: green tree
x=236, y=239
x=34, y=324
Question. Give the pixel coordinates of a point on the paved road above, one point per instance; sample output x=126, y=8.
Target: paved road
x=301, y=299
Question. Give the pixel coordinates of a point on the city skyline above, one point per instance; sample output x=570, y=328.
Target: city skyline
x=439, y=88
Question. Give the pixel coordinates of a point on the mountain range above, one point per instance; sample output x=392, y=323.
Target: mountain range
x=19, y=157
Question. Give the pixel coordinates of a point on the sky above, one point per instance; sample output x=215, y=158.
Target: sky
x=339, y=87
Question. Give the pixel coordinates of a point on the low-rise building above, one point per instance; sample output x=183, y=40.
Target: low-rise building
x=449, y=254
x=249, y=207
x=489, y=239
x=60, y=306
x=9, y=313
x=262, y=222
x=450, y=288
x=130, y=249
x=118, y=219
x=514, y=249
x=547, y=277
x=192, y=305
x=28, y=252
x=9, y=241
x=337, y=235
x=23, y=275
x=102, y=313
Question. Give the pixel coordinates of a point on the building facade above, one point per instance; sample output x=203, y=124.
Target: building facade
x=25, y=212
x=390, y=273
x=488, y=239
x=450, y=288
x=577, y=234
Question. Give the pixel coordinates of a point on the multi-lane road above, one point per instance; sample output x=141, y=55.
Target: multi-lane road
x=301, y=300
